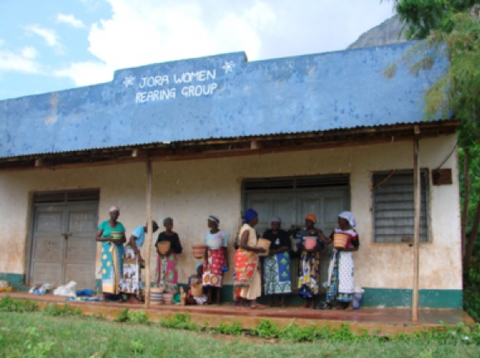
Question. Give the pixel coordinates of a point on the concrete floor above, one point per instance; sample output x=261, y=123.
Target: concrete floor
x=375, y=320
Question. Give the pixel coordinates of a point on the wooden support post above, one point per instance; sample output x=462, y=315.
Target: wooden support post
x=416, y=226
x=148, y=241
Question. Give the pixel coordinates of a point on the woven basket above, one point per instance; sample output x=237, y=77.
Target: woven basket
x=156, y=295
x=196, y=289
x=168, y=298
x=199, y=251
x=264, y=243
x=117, y=235
x=340, y=241
x=163, y=247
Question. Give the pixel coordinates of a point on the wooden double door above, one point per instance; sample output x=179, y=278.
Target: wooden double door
x=63, y=244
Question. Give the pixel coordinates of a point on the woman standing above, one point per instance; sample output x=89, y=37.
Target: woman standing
x=111, y=234
x=309, y=265
x=276, y=266
x=248, y=282
x=341, y=268
x=216, y=258
x=167, y=270
x=133, y=263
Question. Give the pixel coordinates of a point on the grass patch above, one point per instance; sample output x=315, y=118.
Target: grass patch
x=133, y=317
x=61, y=311
x=39, y=335
x=8, y=304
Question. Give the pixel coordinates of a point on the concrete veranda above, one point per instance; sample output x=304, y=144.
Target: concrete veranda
x=380, y=321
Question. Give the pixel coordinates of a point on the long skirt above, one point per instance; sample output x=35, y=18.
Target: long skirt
x=167, y=273
x=276, y=274
x=341, y=277
x=247, y=276
x=309, y=274
x=112, y=264
x=212, y=268
x=131, y=280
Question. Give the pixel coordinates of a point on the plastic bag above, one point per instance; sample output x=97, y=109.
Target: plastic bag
x=357, y=297
x=40, y=289
x=66, y=290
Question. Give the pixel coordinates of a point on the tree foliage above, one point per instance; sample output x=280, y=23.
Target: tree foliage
x=451, y=29
x=423, y=16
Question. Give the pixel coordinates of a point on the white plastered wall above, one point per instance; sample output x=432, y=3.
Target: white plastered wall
x=189, y=191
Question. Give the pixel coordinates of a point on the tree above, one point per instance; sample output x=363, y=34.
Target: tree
x=449, y=28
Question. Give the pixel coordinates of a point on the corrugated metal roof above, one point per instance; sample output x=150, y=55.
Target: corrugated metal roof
x=218, y=97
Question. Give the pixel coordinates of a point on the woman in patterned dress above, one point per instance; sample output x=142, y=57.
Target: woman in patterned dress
x=216, y=259
x=167, y=270
x=248, y=282
x=133, y=262
x=309, y=265
x=341, y=270
x=111, y=233
x=276, y=266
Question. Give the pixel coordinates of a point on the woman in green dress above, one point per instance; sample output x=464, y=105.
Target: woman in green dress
x=111, y=233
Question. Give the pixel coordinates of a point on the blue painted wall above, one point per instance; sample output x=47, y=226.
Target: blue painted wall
x=225, y=97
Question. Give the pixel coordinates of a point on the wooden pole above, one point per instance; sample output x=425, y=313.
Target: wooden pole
x=148, y=241
x=416, y=226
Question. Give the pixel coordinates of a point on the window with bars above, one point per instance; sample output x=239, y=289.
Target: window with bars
x=393, y=207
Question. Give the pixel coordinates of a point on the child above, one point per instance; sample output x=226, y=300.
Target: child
x=187, y=298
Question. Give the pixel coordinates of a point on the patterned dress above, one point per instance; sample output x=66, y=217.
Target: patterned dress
x=248, y=283
x=131, y=280
x=341, y=279
x=111, y=259
x=167, y=265
x=212, y=268
x=276, y=268
x=309, y=269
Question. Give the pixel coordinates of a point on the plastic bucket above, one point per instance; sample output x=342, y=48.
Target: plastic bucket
x=310, y=242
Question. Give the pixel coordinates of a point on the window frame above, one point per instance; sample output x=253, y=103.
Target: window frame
x=425, y=173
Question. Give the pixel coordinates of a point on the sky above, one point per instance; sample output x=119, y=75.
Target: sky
x=52, y=45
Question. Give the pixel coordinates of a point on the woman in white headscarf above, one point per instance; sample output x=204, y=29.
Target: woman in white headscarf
x=341, y=268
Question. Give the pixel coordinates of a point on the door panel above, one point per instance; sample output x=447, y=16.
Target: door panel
x=64, y=244
x=48, y=246
x=81, y=245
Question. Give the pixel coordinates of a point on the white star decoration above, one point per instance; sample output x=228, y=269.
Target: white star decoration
x=228, y=67
x=129, y=81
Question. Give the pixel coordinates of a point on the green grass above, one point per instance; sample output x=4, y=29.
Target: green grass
x=39, y=335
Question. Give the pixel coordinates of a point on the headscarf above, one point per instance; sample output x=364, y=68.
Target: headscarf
x=197, y=266
x=312, y=218
x=249, y=215
x=276, y=219
x=167, y=220
x=114, y=208
x=214, y=219
x=347, y=215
